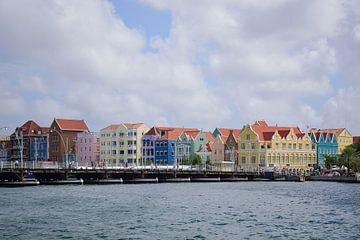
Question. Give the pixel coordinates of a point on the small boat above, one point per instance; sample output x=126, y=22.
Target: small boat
x=205, y=179
x=27, y=182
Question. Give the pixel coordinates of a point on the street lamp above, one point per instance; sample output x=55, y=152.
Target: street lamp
x=3, y=128
x=65, y=149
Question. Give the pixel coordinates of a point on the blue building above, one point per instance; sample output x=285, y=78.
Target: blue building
x=326, y=145
x=39, y=149
x=165, y=148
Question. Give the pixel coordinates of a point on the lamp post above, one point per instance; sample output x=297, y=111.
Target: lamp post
x=65, y=149
x=3, y=128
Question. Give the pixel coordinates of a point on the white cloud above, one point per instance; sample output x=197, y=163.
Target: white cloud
x=228, y=63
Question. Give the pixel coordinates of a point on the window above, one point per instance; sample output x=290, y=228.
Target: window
x=253, y=159
x=276, y=145
x=114, y=143
x=165, y=153
x=289, y=145
x=247, y=136
x=294, y=145
x=283, y=145
x=113, y=152
x=130, y=151
x=129, y=143
x=121, y=143
x=253, y=146
x=243, y=159
x=165, y=144
x=121, y=134
x=157, y=153
x=201, y=139
x=300, y=146
x=157, y=144
x=242, y=146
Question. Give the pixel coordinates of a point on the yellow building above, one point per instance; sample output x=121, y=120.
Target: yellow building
x=261, y=145
x=343, y=137
x=120, y=145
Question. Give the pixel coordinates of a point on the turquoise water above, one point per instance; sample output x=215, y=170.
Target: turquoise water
x=246, y=210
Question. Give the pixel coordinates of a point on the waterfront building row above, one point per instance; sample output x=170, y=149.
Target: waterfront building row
x=256, y=145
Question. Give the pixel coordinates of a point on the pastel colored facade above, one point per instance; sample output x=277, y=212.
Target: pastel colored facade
x=88, y=149
x=218, y=149
x=344, y=137
x=326, y=145
x=159, y=143
x=185, y=146
x=195, y=142
x=62, y=139
x=261, y=145
x=121, y=144
x=31, y=141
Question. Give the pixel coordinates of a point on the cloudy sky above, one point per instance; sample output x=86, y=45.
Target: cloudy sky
x=184, y=63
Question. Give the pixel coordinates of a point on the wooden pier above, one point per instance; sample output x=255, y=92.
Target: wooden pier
x=117, y=176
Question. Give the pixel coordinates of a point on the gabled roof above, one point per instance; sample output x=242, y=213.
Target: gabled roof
x=111, y=127
x=209, y=136
x=192, y=133
x=172, y=135
x=72, y=125
x=132, y=125
x=265, y=132
x=337, y=131
x=29, y=128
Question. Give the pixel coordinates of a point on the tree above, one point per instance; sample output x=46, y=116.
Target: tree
x=350, y=157
x=330, y=161
x=196, y=160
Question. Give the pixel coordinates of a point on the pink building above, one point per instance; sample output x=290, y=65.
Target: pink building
x=88, y=149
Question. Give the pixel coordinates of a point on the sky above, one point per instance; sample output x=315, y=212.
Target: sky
x=203, y=63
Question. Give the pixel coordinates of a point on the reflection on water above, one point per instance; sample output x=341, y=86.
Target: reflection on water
x=246, y=210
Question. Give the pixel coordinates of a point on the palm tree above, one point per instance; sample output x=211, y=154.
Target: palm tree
x=350, y=158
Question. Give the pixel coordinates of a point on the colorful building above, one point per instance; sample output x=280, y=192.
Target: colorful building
x=343, y=136
x=326, y=145
x=185, y=146
x=158, y=145
x=261, y=146
x=194, y=142
x=29, y=143
x=62, y=139
x=229, y=137
x=356, y=139
x=88, y=149
x=120, y=145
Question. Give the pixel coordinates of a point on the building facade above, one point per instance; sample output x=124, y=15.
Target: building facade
x=5, y=149
x=88, y=149
x=120, y=145
x=62, y=140
x=343, y=136
x=262, y=146
x=158, y=145
x=326, y=145
x=29, y=143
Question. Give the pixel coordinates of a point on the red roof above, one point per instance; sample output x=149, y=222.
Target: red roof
x=172, y=135
x=265, y=132
x=29, y=128
x=72, y=125
x=133, y=125
x=337, y=131
x=111, y=127
x=209, y=136
x=192, y=133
